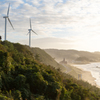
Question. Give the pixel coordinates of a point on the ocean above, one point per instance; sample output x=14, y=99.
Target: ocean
x=94, y=68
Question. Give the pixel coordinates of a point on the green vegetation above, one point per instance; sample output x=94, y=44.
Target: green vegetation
x=43, y=57
x=22, y=77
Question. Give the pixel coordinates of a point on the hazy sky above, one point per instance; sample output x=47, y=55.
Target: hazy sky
x=61, y=24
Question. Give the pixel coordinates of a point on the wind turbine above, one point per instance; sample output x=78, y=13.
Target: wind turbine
x=7, y=17
x=30, y=33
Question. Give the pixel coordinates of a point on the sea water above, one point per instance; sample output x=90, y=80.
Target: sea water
x=94, y=68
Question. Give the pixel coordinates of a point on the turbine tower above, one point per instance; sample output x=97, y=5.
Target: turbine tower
x=7, y=17
x=30, y=33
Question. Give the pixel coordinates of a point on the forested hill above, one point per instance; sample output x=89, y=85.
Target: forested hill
x=22, y=77
x=74, y=56
x=45, y=58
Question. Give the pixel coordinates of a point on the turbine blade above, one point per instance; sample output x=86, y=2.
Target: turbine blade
x=10, y=23
x=8, y=10
x=27, y=33
x=30, y=24
x=34, y=32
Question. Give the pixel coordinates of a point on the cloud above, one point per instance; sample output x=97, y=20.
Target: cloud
x=76, y=19
x=50, y=42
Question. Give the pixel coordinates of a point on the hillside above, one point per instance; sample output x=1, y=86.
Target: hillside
x=73, y=56
x=22, y=77
x=45, y=58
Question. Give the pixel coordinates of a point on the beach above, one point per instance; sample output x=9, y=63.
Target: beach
x=90, y=73
x=87, y=76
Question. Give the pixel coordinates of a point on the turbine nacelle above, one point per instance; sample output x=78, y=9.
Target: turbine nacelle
x=29, y=30
x=5, y=16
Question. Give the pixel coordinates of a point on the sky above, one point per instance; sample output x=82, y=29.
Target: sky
x=60, y=24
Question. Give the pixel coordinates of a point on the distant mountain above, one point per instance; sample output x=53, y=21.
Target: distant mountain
x=97, y=52
x=74, y=56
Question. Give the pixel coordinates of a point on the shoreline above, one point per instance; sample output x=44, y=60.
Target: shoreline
x=86, y=75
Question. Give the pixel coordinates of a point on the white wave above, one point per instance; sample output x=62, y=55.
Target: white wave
x=94, y=68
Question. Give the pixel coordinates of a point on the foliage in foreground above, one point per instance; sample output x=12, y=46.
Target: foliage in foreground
x=24, y=78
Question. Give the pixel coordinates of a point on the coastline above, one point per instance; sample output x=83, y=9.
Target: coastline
x=86, y=75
